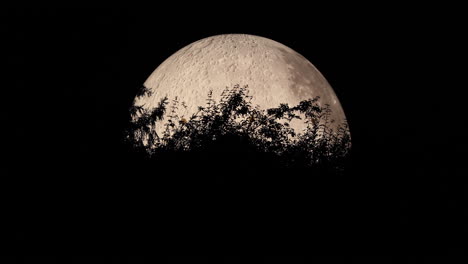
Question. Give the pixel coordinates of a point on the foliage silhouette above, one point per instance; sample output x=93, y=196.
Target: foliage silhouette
x=233, y=131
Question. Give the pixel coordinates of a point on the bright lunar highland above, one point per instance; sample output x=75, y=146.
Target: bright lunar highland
x=274, y=73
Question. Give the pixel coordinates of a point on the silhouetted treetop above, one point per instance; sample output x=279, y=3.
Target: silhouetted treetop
x=260, y=133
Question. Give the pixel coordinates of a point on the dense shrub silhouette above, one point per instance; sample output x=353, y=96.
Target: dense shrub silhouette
x=233, y=131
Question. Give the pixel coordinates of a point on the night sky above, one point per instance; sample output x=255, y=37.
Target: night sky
x=72, y=75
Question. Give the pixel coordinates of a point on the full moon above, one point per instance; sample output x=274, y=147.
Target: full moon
x=274, y=73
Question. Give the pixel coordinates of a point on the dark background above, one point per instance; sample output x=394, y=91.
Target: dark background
x=71, y=75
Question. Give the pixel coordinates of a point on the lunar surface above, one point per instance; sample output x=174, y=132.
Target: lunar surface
x=274, y=73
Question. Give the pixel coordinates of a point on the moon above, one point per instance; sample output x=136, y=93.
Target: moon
x=274, y=73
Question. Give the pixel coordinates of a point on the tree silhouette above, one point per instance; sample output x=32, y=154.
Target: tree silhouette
x=234, y=131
